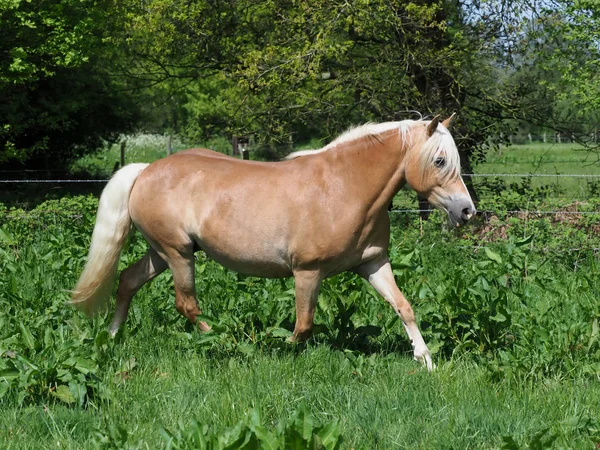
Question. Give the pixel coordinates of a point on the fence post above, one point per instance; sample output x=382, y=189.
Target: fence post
x=169, y=147
x=234, y=145
x=530, y=139
x=123, y=153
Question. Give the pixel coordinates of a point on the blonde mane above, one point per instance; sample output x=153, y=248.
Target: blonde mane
x=439, y=143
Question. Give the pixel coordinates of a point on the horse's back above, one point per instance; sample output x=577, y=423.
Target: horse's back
x=231, y=209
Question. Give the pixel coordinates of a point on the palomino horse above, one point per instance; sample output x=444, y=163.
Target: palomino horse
x=315, y=215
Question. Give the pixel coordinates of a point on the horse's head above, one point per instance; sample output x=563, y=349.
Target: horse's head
x=433, y=170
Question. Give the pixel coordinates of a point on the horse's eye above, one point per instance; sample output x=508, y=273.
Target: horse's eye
x=440, y=162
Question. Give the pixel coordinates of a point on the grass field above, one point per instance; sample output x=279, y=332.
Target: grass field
x=390, y=403
x=509, y=308
x=547, y=159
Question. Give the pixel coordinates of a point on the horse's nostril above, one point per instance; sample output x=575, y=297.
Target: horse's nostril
x=467, y=213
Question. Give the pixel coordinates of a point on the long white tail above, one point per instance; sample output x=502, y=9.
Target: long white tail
x=112, y=227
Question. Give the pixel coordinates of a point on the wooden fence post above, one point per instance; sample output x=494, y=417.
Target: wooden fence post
x=123, y=153
x=234, y=145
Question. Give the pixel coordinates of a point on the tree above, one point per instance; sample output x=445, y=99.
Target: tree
x=59, y=95
x=546, y=57
x=307, y=68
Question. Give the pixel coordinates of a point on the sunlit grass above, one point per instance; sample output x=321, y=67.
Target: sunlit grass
x=389, y=403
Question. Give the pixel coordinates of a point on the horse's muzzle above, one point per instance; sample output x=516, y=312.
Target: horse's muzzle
x=461, y=210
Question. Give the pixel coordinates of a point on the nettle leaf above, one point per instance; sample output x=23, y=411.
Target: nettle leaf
x=26, y=336
x=63, y=393
x=330, y=435
x=499, y=317
x=493, y=255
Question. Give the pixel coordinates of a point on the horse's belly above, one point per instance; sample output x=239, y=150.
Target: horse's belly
x=247, y=257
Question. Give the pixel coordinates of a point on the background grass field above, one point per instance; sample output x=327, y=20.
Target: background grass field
x=548, y=159
x=508, y=306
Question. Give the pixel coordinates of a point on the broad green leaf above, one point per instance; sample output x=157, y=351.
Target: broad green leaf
x=9, y=374
x=5, y=238
x=246, y=348
x=330, y=435
x=64, y=394
x=280, y=332
x=3, y=388
x=78, y=390
x=405, y=262
x=26, y=336
x=493, y=256
x=499, y=317
x=102, y=338
x=524, y=241
x=85, y=366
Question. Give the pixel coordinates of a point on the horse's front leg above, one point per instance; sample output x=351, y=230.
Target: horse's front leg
x=379, y=274
x=308, y=284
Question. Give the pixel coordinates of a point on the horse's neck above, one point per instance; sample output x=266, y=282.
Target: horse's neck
x=376, y=161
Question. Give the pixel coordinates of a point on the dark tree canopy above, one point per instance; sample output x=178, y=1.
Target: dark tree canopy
x=59, y=93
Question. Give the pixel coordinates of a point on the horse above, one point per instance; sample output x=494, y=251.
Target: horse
x=311, y=216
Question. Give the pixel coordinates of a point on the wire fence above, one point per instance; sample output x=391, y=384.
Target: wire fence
x=504, y=212
x=485, y=212
x=467, y=175
x=521, y=213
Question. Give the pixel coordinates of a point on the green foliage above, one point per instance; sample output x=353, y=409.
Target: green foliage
x=140, y=148
x=59, y=97
x=48, y=352
x=300, y=432
x=234, y=68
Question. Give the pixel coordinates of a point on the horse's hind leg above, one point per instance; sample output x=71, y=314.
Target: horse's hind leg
x=182, y=266
x=131, y=280
x=308, y=284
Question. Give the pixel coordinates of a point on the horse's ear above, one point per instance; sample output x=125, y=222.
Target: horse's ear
x=448, y=122
x=433, y=125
